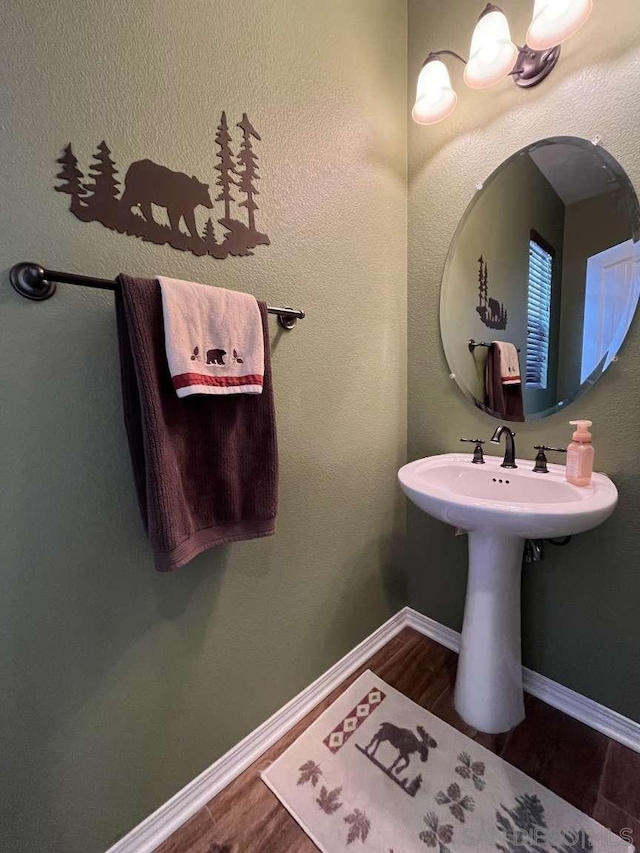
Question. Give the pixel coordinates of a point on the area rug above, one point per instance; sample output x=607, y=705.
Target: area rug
x=376, y=772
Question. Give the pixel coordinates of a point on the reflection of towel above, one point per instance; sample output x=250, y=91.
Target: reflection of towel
x=206, y=470
x=213, y=338
x=502, y=398
x=509, y=363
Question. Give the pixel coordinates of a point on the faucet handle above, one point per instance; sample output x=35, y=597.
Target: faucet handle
x=478, y=456
x=541, y=459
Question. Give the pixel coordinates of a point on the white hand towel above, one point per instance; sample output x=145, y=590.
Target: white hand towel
x=509, y=363
x=213, y=339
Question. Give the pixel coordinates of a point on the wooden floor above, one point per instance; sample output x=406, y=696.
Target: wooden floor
x=247, y=818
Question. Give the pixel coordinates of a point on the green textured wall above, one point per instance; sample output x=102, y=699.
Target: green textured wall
x=580, y=623
x=120, y=685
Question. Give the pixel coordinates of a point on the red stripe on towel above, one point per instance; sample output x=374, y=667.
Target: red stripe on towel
x=185, y=379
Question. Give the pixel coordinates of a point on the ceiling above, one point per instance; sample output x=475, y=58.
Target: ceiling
x=574, y=174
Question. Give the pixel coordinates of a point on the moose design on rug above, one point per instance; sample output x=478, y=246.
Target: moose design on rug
x=406, y=743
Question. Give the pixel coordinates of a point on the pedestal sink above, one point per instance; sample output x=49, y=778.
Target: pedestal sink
x=499, y=509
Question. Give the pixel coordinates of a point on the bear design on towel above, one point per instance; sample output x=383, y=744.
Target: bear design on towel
x=216, y=356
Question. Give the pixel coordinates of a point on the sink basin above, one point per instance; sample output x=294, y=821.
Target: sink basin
x=516, y=501
x=499, y=508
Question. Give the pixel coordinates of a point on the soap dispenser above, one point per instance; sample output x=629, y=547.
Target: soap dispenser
x=580, y=454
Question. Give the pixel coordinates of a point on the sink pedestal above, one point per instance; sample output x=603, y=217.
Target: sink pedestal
x=502, y=510
x=488, y=693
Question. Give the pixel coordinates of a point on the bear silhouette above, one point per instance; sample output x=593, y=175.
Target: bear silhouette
x=216, y=356
x=146, y=182
x=495, y=309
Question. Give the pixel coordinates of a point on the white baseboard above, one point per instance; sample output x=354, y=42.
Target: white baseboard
x=155, y=829
x=594, y=715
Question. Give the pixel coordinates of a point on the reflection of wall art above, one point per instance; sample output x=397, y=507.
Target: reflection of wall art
x=97, y=198
x=492, y=313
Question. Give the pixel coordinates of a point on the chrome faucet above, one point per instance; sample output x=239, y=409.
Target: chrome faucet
x=509, y=460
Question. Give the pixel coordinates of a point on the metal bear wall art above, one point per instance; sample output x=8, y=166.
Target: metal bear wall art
x=134, y=206
x=492, y=313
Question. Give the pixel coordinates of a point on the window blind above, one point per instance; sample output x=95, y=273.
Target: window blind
x=538, y=315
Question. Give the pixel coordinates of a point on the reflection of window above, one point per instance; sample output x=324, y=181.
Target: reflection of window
x=538, y=311
x=611, y=296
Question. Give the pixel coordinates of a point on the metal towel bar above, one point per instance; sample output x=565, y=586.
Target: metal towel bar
x=34, y=282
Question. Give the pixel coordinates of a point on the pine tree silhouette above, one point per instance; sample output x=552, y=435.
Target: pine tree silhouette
x=249, y=169
x=73, y=178
x=209, y=234
x=483, y=288
x=103, y=188
x=226, y=167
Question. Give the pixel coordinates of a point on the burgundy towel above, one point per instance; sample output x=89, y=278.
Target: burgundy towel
x=206, y=468
x=504, y=400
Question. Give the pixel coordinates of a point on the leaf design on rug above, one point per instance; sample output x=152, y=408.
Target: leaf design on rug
x=523, y=826
x=528, y=812
x=219, y=848
x=328, y=800
x=469, y=769
x=309, y=772
x=459, y=804
x=359, y=826
x=437, y=835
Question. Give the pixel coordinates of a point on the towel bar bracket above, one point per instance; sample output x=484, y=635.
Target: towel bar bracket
x=288, y=321
x=29, y=280
x=35, y=282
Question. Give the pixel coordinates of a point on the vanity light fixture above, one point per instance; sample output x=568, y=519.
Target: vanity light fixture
x=494, y=56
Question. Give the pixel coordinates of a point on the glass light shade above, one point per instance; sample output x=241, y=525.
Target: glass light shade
x=554, y=21
x=435, y=99
x=493, y=54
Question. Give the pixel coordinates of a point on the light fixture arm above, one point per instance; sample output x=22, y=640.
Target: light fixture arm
x=436, y=53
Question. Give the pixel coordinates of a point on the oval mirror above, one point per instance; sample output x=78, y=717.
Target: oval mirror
x=542, y=279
